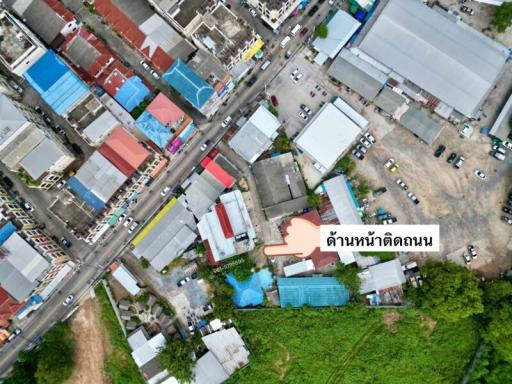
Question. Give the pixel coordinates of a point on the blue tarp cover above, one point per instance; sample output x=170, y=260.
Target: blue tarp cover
x=249, y=293
x=153, y=129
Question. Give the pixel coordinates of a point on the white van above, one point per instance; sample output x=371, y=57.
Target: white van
x=285, y=41
x=295, y=30
x=265, y=65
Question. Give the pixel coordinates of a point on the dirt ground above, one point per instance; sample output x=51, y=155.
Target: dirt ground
x=90, y=351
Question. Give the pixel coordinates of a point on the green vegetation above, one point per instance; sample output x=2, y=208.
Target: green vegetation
x=273, y=110
x=347, y=275
x=313, y=199
x=321, y=30
x=139, y=109
x=502, y=18
x=241, y=266
x=176, y=357
x=144, y=263
x=490, y=368
x=353, y=345
x=223, y=306
x=178, y=262
x=383, y=256
x=200, y=249
x=90, y=7
x=51, y=363
x=362, y=189
x=450, y=292
x=346, y=165
x=119, y=364
x=27, y=180
x=282, y=143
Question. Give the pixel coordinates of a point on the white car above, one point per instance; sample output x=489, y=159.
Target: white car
x=306, y=109
x=389, y=163
x=294, y=73
x=297, y=77
x=478, y=173
x=155, y=74
x=68, y=300
x=253, y=13
x=121, y=218
x=128, y=221
x=226, y=122
x=203, y=147
x=133, y=226
x=507, y=144
x=165, y=191
x=365, y=142
x=145, y=65
x=303, y=116
x=370, y=138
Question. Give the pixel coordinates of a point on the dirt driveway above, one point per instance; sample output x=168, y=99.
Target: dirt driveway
x=467, y=209
x=90, y=352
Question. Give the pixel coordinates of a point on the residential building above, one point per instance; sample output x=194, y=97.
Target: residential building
x=210, y=69
x=330, y=134
x=145, y=354
x=311, y=291
x=256, y=135
x=452, y=66
x=298, y=268
x=341, y=26
x=100, y=128
x=124, y=277
x=28, y=146
x=19, y=48
x=280, y=186
x=274, y=12
x=9, y=307
x=227, y=229
x=167, y=235
x=384, y=280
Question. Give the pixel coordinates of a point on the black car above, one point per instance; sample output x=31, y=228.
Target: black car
x=506, y=220
x=439, y=151
x=76, y=148
x=379, y=191
x=252, y=80
x=312, y=11
x=507, y=210
x=452, y=157
x=65, y=242
x=8, y=183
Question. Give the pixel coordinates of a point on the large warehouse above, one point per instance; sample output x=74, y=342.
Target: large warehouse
x=451, y=61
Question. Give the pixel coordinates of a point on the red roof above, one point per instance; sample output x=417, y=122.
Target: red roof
x=224, y=221
x=8, y=307
x=130, y=31
x=164, y=110
x=209, y=254
x=113, y=82
x=218, y=172
x=124, y=151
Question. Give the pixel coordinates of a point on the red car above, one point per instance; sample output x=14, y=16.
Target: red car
x=275, y=103
x=303, y=31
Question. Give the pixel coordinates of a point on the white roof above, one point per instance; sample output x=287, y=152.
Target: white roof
x=265, y=121
x=341, y=28
x=25, y=258
x=381, y=276
x=126, y=279
x=42, y=158
x=327, y=136
x=100, y=128
x=351, y=113
x=137, y=339
x=300, y=267
x=149, y=350
x=11, y=119
x=228, y=348
x=342, y=201
x=208, y=370
x=442, y=55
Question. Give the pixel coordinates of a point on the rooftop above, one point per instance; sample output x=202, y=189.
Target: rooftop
x=125, y=278
x=218, y=172
x=202, y=192
x=153, y=129
x=145, y=349
x=228, y=348
x=502, y=127
x=166, y=112
x=421, y=125
x=382, y=276
x=43, y=158
x=11, y=119
x=311, y=291
x=98, y=130
x=447, y=58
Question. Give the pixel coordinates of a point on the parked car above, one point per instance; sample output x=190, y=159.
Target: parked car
x=16, y=87
x=389, y=220
x=467, y=258
x=274, y=101
x=357, y=154
x=413, y=197
x=361, y=148
x=60, y=131
x=65, y=242
x=313, y=10
x=439, y=151
x=499, y=148
x=165, y=191
x=76, y=148
x=507, y=144
x=253, y=12
x=68, y=300
x=507, y=210
x=207, y=307
x=303, y=116
x=121, y=218
x=452, y=157
x=128, y=222
x=144, y=65
x=134, y=225
x=365, y=142
x=478, y=173
x=459, y=162
x=389, y=163
x=8, y=182
x=226, y=122
x=497, y=155
x=370, y=138
x=28, y=207
x=506, y=220
x=297, y=77
x=14, y=334
x=305, y=108
x=394, y=168
x=303, y=31
x=379, y=191
x=252, y=80
x=472, y=251
x=402, y=184
x=155, y=74
x=203, y=147
x=183, y=281
x=467, y=10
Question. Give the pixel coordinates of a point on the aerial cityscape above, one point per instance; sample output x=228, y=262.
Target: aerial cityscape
x=167, y=167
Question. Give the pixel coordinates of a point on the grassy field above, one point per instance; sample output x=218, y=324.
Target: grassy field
x=119, y=364
x=353, y=345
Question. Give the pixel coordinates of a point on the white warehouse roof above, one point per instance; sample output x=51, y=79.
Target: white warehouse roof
x=442, y=55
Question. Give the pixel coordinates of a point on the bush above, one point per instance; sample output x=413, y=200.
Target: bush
x=346, y=165
x=144, y=263
x=313, y=199
x=321, y=30
x=502, y=17
x=347, y=275
x=282, y=143
x=242, y=267
x=273, y=110
x=200, y=249
x=176, y=357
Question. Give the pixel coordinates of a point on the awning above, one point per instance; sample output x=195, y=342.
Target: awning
x=252, y=51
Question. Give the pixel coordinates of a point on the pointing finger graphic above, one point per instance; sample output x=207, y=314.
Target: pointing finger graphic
x=301, y=239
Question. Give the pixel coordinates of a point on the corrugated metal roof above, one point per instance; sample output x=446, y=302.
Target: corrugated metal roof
x=218, y=172
x=228, y=348
x=153, y=129
x=164, y=110
x=389, y=101
x=447, y=58
x=382, y=276
x=42, y=158
x=342, y=201
x=421, y=125
x=311, y=291
x=100, y=128
x=208, y=370
x=501, y=127
x=25, y=258
x=126, y=279
x=202, y=193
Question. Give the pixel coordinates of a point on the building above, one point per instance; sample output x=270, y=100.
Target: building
x=29, y=147
x=274, y=12
x=342, y=27
x=227, y=229
x=166, y=236
x=280, y=186
x=19, y=48
x=420, y=124
x=330, y=134
x=201, y=192
x=100, y=128
x=124, y=277
x=501, y=127
x=9, y=307
x=57, y=85
x=311, y=291
x=298, y=268
x=454, y=66
x=385, y=280
x=145, y=354
x=256, y=135
x=213, y=169
x=145, y=31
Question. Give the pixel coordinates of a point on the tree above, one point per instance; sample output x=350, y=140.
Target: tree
x=450, y=291
x=347, y=165
x=144, y=263
x=273, y=110
x=177, y=357
x=313, y=199
x=24, y=370
x=223, y=306
x=502, y=17
x=347, y=275
x=242, y=267
x=321, y=30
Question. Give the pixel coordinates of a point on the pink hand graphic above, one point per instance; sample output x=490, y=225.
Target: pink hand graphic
x=301, y=239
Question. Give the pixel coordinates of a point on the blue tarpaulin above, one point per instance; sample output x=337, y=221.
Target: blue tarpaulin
x=249, y=293
x=153, y=129
x=311, y=291
x=89, y=197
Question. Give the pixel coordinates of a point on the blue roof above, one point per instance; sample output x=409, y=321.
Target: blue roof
x=311, y=291
x=132, y=93
x=89, y=197
x=249, y=293
x=59, y=87
x=153, y=129
x=6, y=231
x=188, y=83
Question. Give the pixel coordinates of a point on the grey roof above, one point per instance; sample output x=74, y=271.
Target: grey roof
x=362, y=77
x=18, y=286
x=202, y=192
x=42, y=158
x=228, y=348
x=256, y=135
x=81, y=52
x=342, y=201
x=137, y=10
x=445, y=57
x=208, y=370
x=169, y=238
x=502, y=126
x=382, y=276
x=389, y=101
x=99, y=129
x=421, y=125
x=11, y=119
x=286, y=208
x=40, y=17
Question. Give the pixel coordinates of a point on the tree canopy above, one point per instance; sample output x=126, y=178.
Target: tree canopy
x=502, y=17
x=347, y=275
x=321, y=30
x=176, y=356
x=450, y=291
